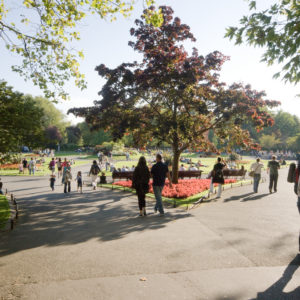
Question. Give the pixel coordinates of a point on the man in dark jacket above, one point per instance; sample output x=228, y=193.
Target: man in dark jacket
x=273, y=167
x=159, y=173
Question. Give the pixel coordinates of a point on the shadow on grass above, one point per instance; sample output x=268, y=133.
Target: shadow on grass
x=58, y=219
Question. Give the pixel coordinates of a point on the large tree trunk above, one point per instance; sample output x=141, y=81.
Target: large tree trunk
x=175, y=166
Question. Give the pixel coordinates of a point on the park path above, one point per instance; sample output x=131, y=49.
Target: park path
x=93, y=246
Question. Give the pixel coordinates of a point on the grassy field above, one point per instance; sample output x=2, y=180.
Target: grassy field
x=43, y=170
x=208, y=163
x=4, y=211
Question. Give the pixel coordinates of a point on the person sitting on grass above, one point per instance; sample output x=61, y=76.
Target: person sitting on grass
x=103, y=178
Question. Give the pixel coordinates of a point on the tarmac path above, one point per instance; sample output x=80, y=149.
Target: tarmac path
x=93, y=246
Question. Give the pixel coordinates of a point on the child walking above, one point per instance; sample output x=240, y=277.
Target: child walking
x=52, y=181
x=79, y=181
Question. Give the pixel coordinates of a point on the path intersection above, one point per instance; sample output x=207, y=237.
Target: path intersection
x=93, y=246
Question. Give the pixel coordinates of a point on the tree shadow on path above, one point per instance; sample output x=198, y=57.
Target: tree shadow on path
x=57, y=219
x=275, y=291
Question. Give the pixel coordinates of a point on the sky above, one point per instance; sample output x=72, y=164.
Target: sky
x=106, y=42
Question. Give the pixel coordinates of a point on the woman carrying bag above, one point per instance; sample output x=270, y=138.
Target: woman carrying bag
x=256, y=174
x=140, y=182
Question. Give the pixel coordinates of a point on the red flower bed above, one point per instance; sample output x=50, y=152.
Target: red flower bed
x=185, y=187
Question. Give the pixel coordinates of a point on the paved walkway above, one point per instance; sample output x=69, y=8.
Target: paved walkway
x=93, y=246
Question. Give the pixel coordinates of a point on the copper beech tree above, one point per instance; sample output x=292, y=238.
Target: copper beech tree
x=173, y=96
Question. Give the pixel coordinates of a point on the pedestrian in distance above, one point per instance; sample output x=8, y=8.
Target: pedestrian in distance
x=32, y=165
x=21, y=168
x=94, y=171
x=52, y=165
x=25, y=164
x=256, y=168
x=1, y=187
x=294, y=176
x=52, y=181
x=59, y=167
x=218, y=176
x=66, y=167
x=159, y=172
x=79, y=182
x=140, y=182
x=67, y=181
x=272, y=169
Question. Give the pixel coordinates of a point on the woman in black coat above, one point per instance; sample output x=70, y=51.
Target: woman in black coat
x=140, y=182
x=218, y=176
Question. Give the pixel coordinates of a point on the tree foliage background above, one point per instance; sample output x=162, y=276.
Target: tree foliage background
x=173, y=96
x=44, y=33
x=276, y=29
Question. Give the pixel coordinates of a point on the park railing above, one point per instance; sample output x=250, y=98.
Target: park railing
x=14, y=212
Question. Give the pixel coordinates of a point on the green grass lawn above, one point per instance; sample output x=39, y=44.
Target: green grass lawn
x=41, y=171
x=4, y=210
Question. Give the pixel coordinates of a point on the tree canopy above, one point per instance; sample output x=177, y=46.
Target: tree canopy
x=173, y=96
x=21, y=120
x=42, y=32
x=278, y=30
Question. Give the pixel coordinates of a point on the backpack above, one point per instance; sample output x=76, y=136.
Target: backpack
x=95, y=170
x=292, y=173
x=218, y=174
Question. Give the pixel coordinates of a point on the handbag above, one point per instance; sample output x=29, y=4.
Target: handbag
x=251, y=173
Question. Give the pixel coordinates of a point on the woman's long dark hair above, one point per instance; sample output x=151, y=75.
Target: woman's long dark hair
x=142, y=163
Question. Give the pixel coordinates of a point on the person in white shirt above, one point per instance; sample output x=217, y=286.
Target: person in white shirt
x=193, y=168
x=256, y=168
x=182, y=168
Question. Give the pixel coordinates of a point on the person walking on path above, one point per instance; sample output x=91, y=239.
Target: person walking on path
x=1, y=187
x=52, y=165
x=256, y=168
x=297, y=189
x=217, y=175
x=67, y=181
x=32, y=165
x=25, y=164
x=59, y=167
x=140, y=182
x=94, y=171
x=273, y=167
x=159, y=172
x=52, y=181
x=79, y=182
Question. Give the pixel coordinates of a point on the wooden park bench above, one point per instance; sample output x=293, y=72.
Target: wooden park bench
x=189, y=174
x=234, y=173
x=122, y=175
x=181, y=174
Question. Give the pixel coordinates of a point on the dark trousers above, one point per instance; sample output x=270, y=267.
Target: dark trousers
x=68, y=183
x=273, y=181
x=141, y=197
x=52, y=186
x=298, y=204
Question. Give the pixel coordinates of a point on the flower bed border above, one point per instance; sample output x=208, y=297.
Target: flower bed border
x=182, y=202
